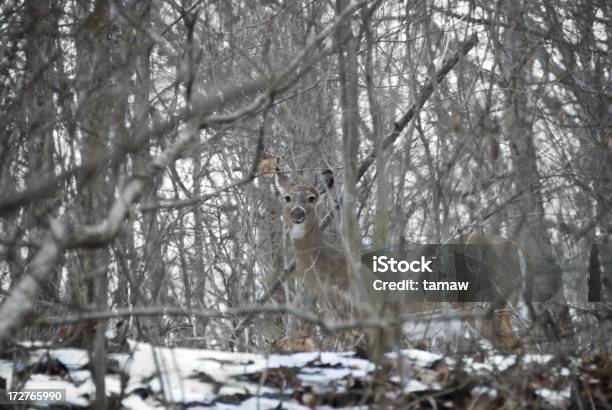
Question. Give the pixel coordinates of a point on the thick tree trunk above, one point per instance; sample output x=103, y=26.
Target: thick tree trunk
x=530, y=227
x=95, y=101
x=40, y=115
x=347, y=59
x=153, y=266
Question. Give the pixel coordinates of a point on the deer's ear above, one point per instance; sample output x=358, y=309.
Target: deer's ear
x=283, y=182
x=324, y=182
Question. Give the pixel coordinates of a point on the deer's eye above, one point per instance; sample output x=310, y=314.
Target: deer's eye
x=287, y=198
x=312, y=199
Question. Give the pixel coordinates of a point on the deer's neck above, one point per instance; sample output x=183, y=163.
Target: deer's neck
x=311, y=241
x=310, y=250
x=323, y=266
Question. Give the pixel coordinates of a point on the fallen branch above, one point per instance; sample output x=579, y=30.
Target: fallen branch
x=328, y=326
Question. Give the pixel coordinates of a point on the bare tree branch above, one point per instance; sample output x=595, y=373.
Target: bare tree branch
x=422, y=98
x=326, y=325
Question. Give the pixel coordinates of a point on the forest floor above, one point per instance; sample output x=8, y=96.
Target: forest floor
x=149, y=377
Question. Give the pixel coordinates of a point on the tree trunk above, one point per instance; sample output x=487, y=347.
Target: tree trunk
x=95, y=100
x=40, y=51
x=530, y=229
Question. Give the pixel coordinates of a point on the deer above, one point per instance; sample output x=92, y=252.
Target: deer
x=323, y=268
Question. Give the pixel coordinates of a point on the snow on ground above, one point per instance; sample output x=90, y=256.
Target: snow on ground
x=150, y=377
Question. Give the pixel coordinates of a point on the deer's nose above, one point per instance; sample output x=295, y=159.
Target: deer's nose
x=298, y=215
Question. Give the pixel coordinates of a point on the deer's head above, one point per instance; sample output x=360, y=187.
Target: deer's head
x=300, y=199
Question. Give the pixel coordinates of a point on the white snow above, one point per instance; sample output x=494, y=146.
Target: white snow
x=490, y=392
x=73, y=359
x=199, y=377
x=419, y=357
x=261, y=403
x=414, y=385
x=554, y=397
